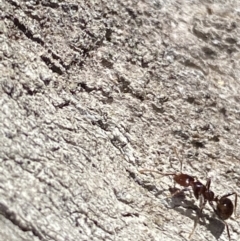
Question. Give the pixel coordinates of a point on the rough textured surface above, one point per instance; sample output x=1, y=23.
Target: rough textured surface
x=93, y=91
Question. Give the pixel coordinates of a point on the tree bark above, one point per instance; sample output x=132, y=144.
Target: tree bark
x=92, y=92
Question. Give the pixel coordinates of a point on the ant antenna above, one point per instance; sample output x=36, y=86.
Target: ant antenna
x=180, y=159
x=235, y=210
x=163, y=174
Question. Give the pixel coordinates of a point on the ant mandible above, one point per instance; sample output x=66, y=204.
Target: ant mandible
x=224, y=207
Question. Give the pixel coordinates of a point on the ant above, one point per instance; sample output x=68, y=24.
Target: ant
x=224, y=206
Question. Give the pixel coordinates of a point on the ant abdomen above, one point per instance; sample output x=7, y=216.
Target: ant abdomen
x=224, y=208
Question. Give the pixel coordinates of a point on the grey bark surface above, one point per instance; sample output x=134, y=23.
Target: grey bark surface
x=92, y=92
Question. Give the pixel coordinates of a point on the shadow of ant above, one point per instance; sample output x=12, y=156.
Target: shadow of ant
x=187, y=208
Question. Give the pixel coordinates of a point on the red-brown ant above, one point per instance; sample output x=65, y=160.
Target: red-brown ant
x=224, y=206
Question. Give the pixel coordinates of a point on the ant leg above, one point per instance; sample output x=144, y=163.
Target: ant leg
x=202, y=204
x=208, y=184
x=211, y=204
x=226, y=225
x=194, y=227
x=176, y=192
